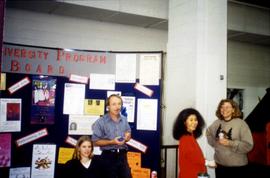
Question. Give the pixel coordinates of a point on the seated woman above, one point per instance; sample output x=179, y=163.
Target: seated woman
x=81, y=165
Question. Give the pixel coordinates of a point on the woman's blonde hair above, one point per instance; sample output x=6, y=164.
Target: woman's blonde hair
x=81, y=140
x=236, y=114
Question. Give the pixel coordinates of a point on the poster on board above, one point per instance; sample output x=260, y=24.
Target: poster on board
x=43, y=161
x=10, y=115
x=43, y=100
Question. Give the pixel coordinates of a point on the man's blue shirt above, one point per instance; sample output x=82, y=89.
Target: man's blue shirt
x=107, y=129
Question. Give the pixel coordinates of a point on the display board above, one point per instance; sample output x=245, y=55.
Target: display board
x=50, y=95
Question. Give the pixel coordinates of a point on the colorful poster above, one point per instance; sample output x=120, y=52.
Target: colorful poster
x=5, y=149
x=3, y=81
x=94, y=107
x=43, y=161
x=10, y=115
x=140, y=173
x=43, y=100
x=134, y=159
x=65, y=154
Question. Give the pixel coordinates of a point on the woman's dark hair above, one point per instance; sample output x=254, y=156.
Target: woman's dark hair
x=179, y=127
x=236, y=114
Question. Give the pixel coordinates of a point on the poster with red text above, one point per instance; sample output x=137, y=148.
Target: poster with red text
x=43, y=100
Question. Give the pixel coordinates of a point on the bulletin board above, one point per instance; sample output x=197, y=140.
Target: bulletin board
x=22, y=65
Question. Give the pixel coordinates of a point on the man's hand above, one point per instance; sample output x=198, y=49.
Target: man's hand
x=119, y=140
x=127, y=136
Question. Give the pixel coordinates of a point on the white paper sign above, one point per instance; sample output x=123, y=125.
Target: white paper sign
x=18, y=85
x=23, y=172
x=109, y=93
x=78, y=78
x=43, y=161
x=129, y=105
x=147, y=114
x=144, y=89
x=137, y=145
x=74, y=98
x=102, y=81
x=81, y=124
x=149, y=69
x=71, y=141
x=125, y=68
x=31, y=137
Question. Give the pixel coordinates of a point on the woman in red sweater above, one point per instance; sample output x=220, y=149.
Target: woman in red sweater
x=187, y=127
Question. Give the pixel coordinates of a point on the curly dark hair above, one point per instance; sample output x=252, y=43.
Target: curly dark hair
x=236, y=114
x=179, y=127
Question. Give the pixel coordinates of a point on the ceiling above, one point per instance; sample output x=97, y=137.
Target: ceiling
x=60, y=8
x=249, y=37
x=259, y=3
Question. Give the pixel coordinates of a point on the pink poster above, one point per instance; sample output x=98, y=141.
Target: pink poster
x=5, y=149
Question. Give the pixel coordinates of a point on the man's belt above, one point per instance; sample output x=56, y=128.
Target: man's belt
x=115, y=151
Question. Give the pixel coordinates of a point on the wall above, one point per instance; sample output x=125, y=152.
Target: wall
x=249, y=69
x=248, y=19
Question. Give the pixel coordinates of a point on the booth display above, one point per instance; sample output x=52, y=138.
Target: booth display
x=58, y=94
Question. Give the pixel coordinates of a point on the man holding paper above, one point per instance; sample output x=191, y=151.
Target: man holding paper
x=111, y=132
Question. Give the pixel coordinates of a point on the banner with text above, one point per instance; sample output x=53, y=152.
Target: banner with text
x=55, y=62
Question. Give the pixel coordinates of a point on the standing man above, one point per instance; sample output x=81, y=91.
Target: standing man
x=111, y=132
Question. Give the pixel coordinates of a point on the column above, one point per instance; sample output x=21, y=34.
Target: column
x=196, y=65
